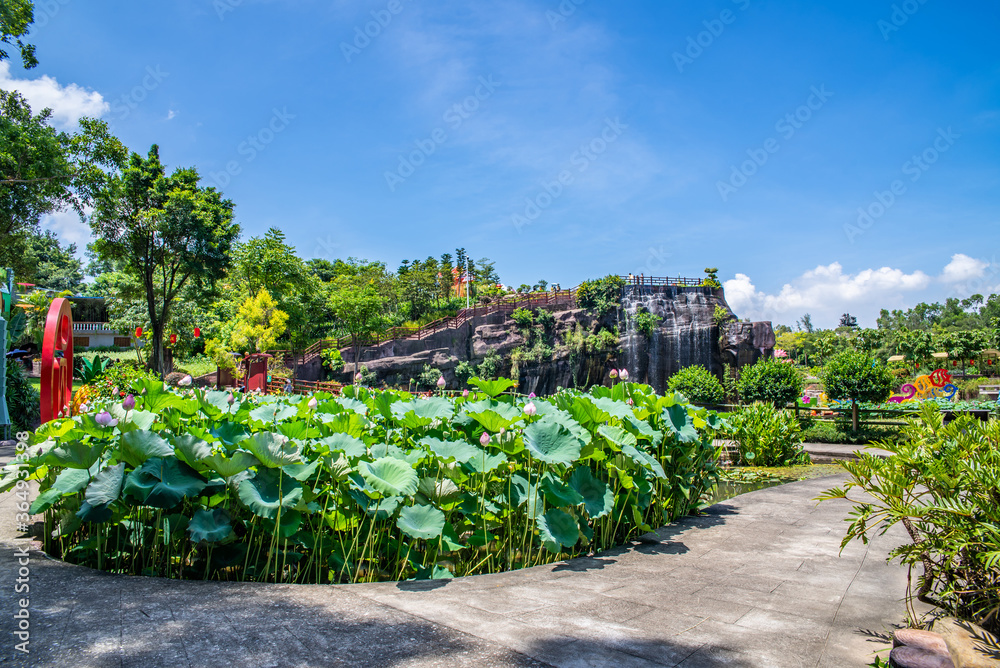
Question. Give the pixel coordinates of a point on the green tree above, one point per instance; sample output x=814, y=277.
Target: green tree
x=771, y=381
x=856, y=376
x=359, y=311
x=964, y=345
x=42, y=171
x=16, y=17
x=167, y=232
x=697, y=384
x=259, y=324
x=50, y=264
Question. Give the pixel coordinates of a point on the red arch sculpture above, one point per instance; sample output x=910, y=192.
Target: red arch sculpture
x=57, y=372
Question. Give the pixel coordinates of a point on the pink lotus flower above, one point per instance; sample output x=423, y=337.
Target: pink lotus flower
x=531, y=396
x=84, y=408
x=778, y=352
x=465, y=394
x=185, y=381
x=441, y=382
x=105, y=420
x=230, y=399
x=613, y=373
x=624, y=374
x=629, y=401
x=484, y=440
x=312, y=404
x=128, y=403
x=357, y=377
x=530, y=409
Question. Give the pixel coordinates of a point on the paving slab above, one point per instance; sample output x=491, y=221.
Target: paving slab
x=754, y=581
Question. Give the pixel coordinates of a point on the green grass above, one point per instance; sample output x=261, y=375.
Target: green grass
x=36, y=383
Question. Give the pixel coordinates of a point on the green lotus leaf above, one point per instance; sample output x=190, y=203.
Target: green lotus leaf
x=425, y=410
x=460, y=451
x=484, y=462
x=557, y=527
x=586, y=412
x=216, y=398
x=237, y=462
x=421, y=521
x=642, y=428
x=190, y=449
x=492, y=388
x=69, y=481
x=617, y=435
x=74, y=455
x=598, y=498
x=273, y=450
x=350, y=404
x=94, y=514
x=390, y=476
x=350, y=446
x=433, y=572
x=523, y=493
x=566, y=420
x=268, y=491
x=558, y=493
x=161, y=482
x=301, y=472
x=131, y=420
x=209, y=526
x=680, y=424
x=551, y=442
x=230, y=433
x=613, y=408
x=645, y=460
x=438, y=490
x=298, y=430
x=273, y=413
x=106, y=486
x=138, y=446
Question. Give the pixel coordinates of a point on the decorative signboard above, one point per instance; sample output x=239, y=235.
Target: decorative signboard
x=57, y=361
x=936, y=385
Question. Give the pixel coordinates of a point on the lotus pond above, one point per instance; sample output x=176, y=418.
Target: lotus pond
x=370, y=485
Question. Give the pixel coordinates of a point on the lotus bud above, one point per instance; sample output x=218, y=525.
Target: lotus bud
x=128, y=403
x=530, y=409
x=440, y=382
x=624, y=374
x=502, y=431
x=185, y=381
x=532, y=395
x=312, y=404
x=613, y=373
x=465, y=394
x=230, y=398
x=484, y=440
x=629, y=401
x=84, y=408
x=357, y=377
x=105, y=420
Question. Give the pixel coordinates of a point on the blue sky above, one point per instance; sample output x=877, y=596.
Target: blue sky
x=739, y=134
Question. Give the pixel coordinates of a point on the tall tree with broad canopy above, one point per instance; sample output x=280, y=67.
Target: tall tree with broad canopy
x=358, y=308
x=16, y=17
x=166, y=231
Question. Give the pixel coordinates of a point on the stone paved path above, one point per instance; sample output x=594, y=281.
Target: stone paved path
x=756, y=581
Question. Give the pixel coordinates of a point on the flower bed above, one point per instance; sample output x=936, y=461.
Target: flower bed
x=366, y=486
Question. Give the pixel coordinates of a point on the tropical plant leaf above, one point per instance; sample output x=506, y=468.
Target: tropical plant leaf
x=237, y=462
x=273, y=450
x=421, y=521
x=390, y=476
x=230, y=433
x=557, y=527
x=269, y=490
x=551, y=442
x=350, y=446
x=491, y=388
x=459, y=451
x=210, y=526
x=598, y=498
x=644, y=460
x=138, y=446
x=69, y=481
x=558, y=493
x=190, y=449
x=162, y=482
x=273, y=413
x=484, y=462
x=74, y=455
x=617, y=435
x=680, y=424
x=106, y=486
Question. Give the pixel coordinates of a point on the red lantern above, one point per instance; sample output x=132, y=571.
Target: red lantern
x=954, y=362
x=138, y=332
x=197, y=332
x=173, y=338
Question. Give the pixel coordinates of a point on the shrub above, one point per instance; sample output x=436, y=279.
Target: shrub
x=117, y=381
x=523, y=318
x=646, y=322
x=765, y=436
x=375, y=485
x=601, y=296
x=492, y=365
x=23, y=402
x=855, y=376
x=464, y=370
x=771, y=381
x=428, y=378
x=332, y=359
x=697, y=384
x=941, y=484
x=546, y=319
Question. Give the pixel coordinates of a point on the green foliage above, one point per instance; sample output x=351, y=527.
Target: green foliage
x=428, y=378
x=940, y=483
x=601, y=296
x=492, y=365
x=523, y=318
x=91, y=369
x=721, y=316
x=332, y=359
x=464, y=370
x=769, y=380
x=23, y=402
x=840, y=431
x=711, y=279
x=765, y=436
x=697, y=384
x=546, y=319
x=855, y=376
x=366, y=486
x=117, y=381
x=16, y=17
x=646, y=322
x=259, y=324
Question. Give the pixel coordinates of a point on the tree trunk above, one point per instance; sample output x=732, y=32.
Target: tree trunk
x=854, y=415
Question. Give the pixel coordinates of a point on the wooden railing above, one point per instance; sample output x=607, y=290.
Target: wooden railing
x=658, y=281
x=281, y=386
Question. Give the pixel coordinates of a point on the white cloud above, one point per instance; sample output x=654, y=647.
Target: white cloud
x=826, y=292
x=68, y=103
x=963, y=268
x=69, y=228
x=171, y=114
